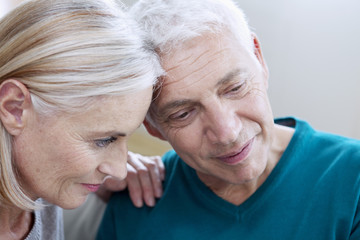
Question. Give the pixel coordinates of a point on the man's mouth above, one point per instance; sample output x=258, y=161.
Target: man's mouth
x=238, y=155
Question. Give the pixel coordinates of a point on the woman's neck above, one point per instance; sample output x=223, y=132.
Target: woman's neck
x=15, y=223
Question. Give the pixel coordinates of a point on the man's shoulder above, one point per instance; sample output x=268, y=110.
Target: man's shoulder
x=338, y=154
x=330, y=143
x=320, y=148
x=170, y=157
x=305, y=132
x=173, y=163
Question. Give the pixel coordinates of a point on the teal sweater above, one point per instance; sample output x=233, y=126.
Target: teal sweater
x=312, y=193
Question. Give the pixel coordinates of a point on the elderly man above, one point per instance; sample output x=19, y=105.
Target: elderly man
x=235, y=173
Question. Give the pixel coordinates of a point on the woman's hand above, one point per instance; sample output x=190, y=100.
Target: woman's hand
x=144, y=180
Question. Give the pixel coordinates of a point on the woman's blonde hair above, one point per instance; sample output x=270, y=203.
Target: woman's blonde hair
x=68, y=53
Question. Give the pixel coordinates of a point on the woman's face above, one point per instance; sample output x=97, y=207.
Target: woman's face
x=63, y=158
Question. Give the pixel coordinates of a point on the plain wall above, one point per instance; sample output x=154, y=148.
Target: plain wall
x=312, y=51
x=311, y=48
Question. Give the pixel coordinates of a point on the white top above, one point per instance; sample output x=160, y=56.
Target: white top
x=48, y=223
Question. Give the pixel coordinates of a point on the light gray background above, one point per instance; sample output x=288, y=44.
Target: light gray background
x=312, y=50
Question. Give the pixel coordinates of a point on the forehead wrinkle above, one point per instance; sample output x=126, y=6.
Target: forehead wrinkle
x=181, y=62
x=176, y=66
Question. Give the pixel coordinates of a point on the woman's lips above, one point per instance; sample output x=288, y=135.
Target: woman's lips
x=238, y=156
x=92, y=187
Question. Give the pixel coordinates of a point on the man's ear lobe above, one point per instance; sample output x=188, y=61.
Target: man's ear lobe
x=152, y=130
x=14, y=100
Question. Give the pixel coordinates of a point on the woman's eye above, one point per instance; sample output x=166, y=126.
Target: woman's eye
x=105, y=142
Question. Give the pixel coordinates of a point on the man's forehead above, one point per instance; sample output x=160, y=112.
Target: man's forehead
x=190, y=68
x=193, y=66
x=189, y=50
x=171, y=94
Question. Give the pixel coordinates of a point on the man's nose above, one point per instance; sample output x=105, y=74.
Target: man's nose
x=222, y=125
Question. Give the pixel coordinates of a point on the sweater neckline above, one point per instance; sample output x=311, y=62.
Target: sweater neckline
x=256, y=199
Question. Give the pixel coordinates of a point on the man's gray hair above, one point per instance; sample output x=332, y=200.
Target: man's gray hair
x=170, y=23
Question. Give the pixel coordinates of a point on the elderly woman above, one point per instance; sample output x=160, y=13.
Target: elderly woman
x=75, y=81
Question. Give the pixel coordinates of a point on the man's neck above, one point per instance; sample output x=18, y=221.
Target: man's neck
x=235, y=193
x=239, y=193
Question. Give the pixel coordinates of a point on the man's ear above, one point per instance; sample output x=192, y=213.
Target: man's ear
x=259, y=55
x=14, y=101
x=153, y=130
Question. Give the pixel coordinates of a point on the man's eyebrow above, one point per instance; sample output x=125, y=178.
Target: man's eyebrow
x=174, y=104
x=230, y=76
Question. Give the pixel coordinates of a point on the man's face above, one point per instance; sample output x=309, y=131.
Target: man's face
x=214, y=110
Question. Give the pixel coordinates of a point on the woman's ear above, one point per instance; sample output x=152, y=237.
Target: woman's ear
x=153, y=130
x=14, y=102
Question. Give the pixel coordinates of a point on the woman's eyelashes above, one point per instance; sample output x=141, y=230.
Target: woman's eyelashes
x=104, y=142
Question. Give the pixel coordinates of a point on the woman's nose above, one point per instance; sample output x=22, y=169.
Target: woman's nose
x=115, y=164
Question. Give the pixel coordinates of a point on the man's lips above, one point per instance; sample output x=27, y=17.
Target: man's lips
x=237, y=156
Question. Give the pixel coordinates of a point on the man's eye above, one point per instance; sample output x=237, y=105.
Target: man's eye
x=235, y=89
x=104, y=142
x=181, y=115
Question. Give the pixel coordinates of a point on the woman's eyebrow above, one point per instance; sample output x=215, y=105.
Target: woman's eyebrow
x=108, y=133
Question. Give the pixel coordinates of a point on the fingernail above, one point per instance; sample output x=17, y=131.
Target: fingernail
x=158, y=192
x=138, y=203
x=151, y=202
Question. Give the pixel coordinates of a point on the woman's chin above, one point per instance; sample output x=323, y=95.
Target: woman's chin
x=73, y=203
